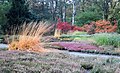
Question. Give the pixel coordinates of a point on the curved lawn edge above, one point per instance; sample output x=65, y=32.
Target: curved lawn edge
x=96, y=52
x=93, y=55
x=91, y=52
x=92, y=49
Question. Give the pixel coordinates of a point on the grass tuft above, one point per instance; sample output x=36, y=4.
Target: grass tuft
x=29, y=37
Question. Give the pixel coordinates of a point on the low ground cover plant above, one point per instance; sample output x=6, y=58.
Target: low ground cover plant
x=16, y=61
x=76, y=46
x=108, y=42
x=107, y=39
x=76, y=36
x=79, y=33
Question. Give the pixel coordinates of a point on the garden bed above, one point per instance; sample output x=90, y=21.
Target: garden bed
x=16, y=61
x=84, y=47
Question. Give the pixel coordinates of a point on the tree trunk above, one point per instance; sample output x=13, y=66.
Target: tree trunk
x=105, y=9
x=73, y=14
x=79, y=5
x=64, y=11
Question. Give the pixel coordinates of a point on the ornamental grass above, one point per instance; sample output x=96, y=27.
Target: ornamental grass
x=29, y=36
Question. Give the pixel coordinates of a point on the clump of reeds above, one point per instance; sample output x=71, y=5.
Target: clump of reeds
x=29, y=37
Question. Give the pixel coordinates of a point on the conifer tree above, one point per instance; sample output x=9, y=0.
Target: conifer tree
x=18, y=13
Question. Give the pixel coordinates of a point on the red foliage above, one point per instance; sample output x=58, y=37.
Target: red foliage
x=100, y=26
x=93, y=27
x=65, y=26
x=76, y=28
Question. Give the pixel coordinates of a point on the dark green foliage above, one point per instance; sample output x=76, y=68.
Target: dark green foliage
x=87, y=66
x=118, y=26
x=18, y=13
x=86, y=17
x=4, y=8
x=41, y=11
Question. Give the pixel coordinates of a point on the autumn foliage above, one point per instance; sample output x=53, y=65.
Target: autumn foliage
x=100, y=26
x=29, y=37
x=65, y=26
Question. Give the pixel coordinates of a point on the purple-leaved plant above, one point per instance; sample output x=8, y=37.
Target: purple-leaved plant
x=76, y=46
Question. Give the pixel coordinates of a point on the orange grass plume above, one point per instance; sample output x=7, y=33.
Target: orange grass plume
x=29, y=37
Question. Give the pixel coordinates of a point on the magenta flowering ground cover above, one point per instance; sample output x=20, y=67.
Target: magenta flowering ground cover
x=76, y=46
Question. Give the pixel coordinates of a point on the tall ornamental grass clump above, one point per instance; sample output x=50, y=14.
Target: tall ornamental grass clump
x=29, y=37
x=107, y=39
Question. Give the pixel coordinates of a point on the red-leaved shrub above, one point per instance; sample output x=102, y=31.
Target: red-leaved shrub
x=91, y=28
x=100, y=26
x=76, y=28
x=65, y=26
